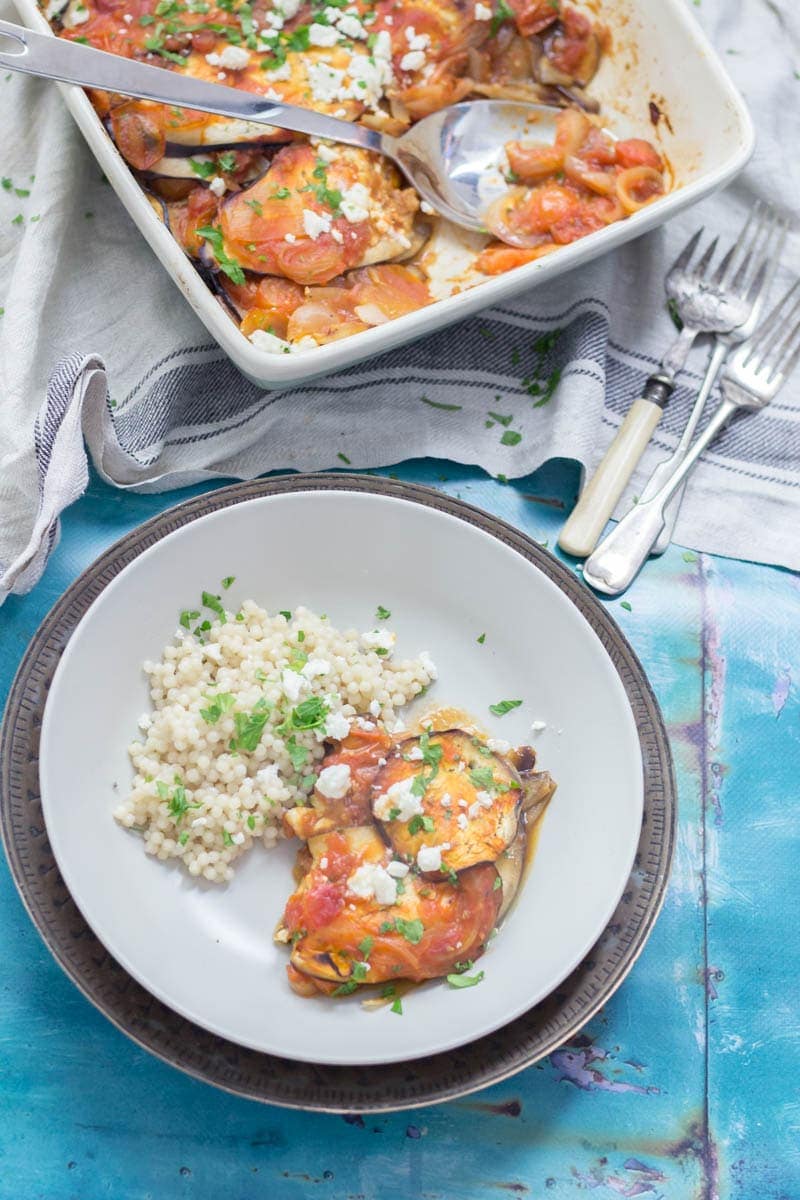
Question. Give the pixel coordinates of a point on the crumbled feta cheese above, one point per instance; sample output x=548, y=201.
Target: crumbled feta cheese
x=462, y=803
x=316, y=223
x=326, y=153
x=415, y=754
x=322, y=35
x=399, y=797
x=290, y=238
x=232, y=58
x=379, y=639
x=284, y=71
x=446, y=800
x=374, y=708
x=288, y=8
x=336, y=726
x=363, y=724
x=316, y=667
x=417, y=41
x=373, y=880
x=381, y=762
x=213, y=651
x=127, y=18
x=483, y=12
x=217, y=185
x=325, y=82
x=76, y=14
x=351, y=27
x=429, y=858
x=268, y=777
x=412, y=61
x=498, y=745
x=334, y=782
x=355, y=203
x=484, y=799
x=144, y=722
x=337, y=235
x=221, y=75
x=237, y=838
x=294, y=685
x=461, y=820
x=262, y=340
x=323, y=863
x=397, y=869
x=429, y=665
x=473, y=810
x=538, y=726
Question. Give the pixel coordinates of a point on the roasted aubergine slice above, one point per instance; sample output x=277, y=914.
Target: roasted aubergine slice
x=362, y=916
x=446, y=801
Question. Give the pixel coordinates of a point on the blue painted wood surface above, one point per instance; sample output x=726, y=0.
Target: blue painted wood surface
x=684, y=1087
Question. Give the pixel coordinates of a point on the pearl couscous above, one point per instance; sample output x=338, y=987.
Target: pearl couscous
x=242, y=707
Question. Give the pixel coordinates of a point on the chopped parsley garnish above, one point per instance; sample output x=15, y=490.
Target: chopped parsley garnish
x=297, y=660
x=284, y=612
x=481, y=639
x=359, y=972
x=309, y=714
x=466, y=965
x=229, y=266
x=177, y=804
x=187, y=616
x=344, y=458
x=511, y=438
x=689, y=556
x=226, y=838
x=412, y=931
x=204, y=169
x=251, y=822
x=501, y=420
x=504, y=706
x=482, y=777
x=443, y=407
x=498, y=883
x=626, y=605
x=227, y=581
x=250, y=726
x=674, y=313
x=382, y=614
x=365, y=946
x=220, y=704
x=184, y=837
x=227, y=161
x=465, y=981
x=298, y=754
x=419, y=822
x=501, y=13
x=213, y=602
x=397, y=1007
x=282, y=193
x=345, y=989
x=256, y=207
x=394, y=813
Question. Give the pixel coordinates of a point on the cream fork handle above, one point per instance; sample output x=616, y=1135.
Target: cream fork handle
x=618, y=559
x=664, y=469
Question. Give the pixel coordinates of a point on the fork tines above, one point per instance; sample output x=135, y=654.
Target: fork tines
x=774, y=349
x=748, y=265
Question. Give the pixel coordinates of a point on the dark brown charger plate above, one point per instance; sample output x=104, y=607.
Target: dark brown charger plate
x=266, y=1077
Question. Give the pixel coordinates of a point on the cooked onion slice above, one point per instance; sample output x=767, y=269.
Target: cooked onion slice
x=638, y=186
x=501, y=220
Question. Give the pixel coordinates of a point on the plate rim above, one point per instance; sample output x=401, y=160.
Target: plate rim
x=362, y=1092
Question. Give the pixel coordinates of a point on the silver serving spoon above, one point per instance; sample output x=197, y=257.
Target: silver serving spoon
x=450, y=157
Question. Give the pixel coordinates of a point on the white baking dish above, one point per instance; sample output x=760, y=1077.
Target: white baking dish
x=660, y=55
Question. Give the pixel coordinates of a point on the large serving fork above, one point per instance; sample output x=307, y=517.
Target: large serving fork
x=708, y=301
x=760, y=244
x=751, y=378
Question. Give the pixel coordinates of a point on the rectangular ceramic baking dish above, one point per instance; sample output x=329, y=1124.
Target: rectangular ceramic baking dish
x=660, y=57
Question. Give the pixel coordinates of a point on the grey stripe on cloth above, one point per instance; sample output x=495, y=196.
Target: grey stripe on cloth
x=178, y=412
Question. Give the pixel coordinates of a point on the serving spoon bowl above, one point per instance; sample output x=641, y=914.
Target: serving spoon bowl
x=450, y=157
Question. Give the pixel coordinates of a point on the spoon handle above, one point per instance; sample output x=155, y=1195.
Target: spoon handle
x=68, y=62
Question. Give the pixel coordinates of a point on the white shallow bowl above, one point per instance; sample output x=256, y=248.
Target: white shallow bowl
x=207, y=950
x=660, y=55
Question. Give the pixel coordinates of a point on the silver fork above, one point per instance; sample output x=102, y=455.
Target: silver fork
x=708, y=302
x=762, y=237
x=750, y=380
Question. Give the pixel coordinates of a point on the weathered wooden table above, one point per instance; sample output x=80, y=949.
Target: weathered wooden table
x=685, y=1086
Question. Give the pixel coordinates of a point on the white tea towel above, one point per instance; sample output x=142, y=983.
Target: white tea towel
x=78, y=280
